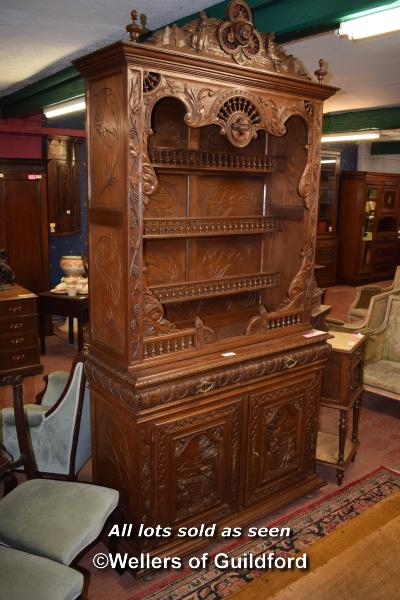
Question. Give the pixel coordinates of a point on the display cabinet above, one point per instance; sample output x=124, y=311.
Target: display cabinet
x=204, y=160
x=63, y=184
x=327, y=240
x=369, y=226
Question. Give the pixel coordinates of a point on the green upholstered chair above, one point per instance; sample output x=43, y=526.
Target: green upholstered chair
x=55, y=519
x=24, y=575
x=359, y=308
x=374, y=318
x=59, y=427
x=47, y=519
x=382, y=354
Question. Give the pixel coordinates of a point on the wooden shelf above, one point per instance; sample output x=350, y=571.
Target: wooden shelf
x=215, y=161
x=328, y=450
x=209, y=226
x=194, y=290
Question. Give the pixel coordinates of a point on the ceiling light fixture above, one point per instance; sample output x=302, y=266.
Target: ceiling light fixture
x=366, y=24
x=63, y=108
x=328, y=161
x=351, y=136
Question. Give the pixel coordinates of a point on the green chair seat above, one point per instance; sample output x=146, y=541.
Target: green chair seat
x=55, y=519
x=24, y=575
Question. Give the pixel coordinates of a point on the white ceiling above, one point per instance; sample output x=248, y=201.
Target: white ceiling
x=40, y=37
x=367, y=71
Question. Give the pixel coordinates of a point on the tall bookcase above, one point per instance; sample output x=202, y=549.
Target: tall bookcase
x=204, y=163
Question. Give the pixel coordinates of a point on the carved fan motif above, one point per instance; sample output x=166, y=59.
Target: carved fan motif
x=151, y=81
x=240, y=118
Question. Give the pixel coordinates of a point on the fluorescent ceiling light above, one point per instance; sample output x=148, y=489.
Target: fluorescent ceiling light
x=383, y=20
x=350, y=136
x=63, y=108
x=328, y=161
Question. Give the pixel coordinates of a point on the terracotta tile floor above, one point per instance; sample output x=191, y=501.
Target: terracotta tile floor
x=379, y=435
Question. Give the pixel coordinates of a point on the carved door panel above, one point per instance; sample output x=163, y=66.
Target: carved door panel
x=283, y=425
x=196, y=474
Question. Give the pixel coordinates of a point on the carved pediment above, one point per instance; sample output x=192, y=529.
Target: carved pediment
x=234, y=39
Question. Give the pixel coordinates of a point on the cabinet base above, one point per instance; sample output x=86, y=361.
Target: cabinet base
x=186, y=547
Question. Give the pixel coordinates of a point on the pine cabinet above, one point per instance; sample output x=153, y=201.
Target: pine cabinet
x=204, y=164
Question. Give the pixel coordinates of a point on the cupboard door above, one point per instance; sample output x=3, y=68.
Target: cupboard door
x=283, y=427
x=196, y=465
x=23, y=226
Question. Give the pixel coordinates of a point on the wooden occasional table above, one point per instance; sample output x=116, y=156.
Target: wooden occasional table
x=342, y=387
x=66, y=306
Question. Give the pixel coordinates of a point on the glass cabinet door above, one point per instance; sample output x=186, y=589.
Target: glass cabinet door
x=369, y=228
x=330, y=164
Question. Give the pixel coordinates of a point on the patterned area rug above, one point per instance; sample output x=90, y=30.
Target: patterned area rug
x=307, y=526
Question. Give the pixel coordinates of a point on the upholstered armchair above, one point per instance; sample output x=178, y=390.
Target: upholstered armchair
x=373, y=319
x=59, y=427
x=382, y=354
x=359, y=308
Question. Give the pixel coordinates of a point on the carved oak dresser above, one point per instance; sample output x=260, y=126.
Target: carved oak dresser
x=204, y=162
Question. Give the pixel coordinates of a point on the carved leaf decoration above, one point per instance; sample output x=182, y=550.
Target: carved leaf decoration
x=154, y=321
x=195, y=103
x=299, y=287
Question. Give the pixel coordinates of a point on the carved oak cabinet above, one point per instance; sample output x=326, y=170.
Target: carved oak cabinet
x=204, y=158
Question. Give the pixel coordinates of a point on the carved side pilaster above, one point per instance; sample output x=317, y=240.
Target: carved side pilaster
x=136, y=189
x=301, y=289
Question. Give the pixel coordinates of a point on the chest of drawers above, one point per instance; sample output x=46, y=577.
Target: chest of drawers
x=19, y=342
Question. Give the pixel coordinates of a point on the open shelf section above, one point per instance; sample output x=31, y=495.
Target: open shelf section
x=204, y=160
x=210, y=226
x=222, y=287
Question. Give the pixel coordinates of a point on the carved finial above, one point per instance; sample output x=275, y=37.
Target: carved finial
x=322, y=72
x=134, y=29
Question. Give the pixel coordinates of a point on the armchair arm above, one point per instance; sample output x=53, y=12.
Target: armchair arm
x=33, y=415
x=364, y=295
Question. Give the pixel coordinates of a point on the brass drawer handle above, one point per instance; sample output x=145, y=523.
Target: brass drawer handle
x=18, y=357
x=17, y=340
x=289, y=362
x=16, y=325
x=15, y=308
x=205, y=386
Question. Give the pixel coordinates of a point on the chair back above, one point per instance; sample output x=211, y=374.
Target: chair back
x=391, y=348
x=68, y=424
x=396, y=280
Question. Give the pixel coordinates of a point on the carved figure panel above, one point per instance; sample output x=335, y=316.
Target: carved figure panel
x=277, y=447
x=197, y=464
